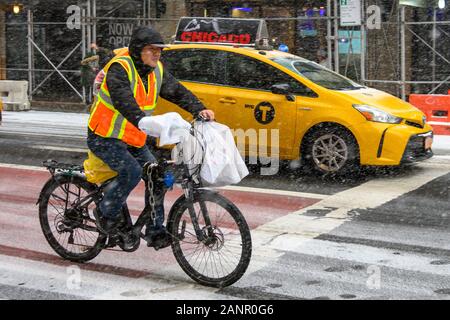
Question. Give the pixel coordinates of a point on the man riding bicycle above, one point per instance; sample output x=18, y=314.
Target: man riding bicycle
x=134, y=79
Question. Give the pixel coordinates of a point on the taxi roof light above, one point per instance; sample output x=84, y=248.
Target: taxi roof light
x=223, y=31
x=263, y=44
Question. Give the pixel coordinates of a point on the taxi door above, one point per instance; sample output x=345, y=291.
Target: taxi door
x=267, y=120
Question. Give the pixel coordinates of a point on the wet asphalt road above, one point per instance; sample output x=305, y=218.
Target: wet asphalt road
x=33, y=149
x=384, y=234
x=30, y=149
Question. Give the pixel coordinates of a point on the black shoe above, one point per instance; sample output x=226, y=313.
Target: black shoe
x=157, y=238
x=129, y=242
x=125, y=240
x=109, y=226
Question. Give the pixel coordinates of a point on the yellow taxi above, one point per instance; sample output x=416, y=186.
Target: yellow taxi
x=323, y=119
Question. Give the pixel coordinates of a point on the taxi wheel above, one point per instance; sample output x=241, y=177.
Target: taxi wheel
x=331, y=150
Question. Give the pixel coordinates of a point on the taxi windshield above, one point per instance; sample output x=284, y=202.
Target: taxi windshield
x=317, y=74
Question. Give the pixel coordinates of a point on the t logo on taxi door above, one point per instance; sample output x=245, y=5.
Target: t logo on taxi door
x=264, y=112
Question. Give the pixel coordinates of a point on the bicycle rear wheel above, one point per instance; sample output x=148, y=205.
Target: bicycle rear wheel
x=223, y=257
x=69, y=229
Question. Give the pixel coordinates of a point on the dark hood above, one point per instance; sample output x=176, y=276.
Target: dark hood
x=141, y=37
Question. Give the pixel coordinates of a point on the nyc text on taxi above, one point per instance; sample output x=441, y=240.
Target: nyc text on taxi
x=328, y=121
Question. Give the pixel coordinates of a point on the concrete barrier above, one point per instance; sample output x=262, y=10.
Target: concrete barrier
x=436, y=108
x=14, y=95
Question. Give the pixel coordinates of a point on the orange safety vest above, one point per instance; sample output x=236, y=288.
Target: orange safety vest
x=107, y=122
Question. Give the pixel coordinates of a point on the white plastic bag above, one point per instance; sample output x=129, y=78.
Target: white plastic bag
x=170, y=127
x=214, y=149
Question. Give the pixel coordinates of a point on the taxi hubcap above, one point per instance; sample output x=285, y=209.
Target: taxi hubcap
x=330, y=152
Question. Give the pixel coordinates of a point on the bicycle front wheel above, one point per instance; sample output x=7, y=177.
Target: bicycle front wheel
x=223, y=255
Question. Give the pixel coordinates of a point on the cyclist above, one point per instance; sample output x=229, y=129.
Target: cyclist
x=128, y=95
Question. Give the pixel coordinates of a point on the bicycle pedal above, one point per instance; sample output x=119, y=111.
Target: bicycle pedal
x=129, y=244
x=112, y=241
x=160, y=242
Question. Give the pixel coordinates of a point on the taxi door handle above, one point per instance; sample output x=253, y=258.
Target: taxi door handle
x=227, y=100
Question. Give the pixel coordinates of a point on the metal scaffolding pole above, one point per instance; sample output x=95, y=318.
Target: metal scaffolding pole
x=363, y=42
x=329, y=43
x=83, y=34
x=433, y=35
x=403, y=51
x=83, y=45
x=149, y=10
x=94, y=26
x=89, y=26
x=336, y=36
x=349, y=51
x=30, y=53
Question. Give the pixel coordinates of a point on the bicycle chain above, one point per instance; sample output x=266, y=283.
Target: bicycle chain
x=151, y=197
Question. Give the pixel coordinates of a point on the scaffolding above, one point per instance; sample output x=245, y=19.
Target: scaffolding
x=342, y=62
x=88, y=35
x=399, y=52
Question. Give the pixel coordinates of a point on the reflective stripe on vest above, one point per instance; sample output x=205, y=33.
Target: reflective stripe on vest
x=107, y=122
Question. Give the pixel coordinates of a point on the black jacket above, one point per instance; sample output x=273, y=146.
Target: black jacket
x=122, y=97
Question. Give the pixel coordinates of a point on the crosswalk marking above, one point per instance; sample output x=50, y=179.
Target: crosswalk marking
x=293, y=231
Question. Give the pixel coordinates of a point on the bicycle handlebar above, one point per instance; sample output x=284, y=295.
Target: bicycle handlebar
x=201, y=118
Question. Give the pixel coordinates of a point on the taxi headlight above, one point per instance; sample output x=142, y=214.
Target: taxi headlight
x=376, y=115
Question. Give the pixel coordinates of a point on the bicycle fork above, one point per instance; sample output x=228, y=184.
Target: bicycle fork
x=189, y=194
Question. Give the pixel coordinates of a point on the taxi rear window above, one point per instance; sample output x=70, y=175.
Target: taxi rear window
x=317, y=74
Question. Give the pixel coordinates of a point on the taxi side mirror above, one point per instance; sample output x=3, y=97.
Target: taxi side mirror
x=281, y=88
x=284, y=89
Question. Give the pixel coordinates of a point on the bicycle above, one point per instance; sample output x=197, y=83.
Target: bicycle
x=213, y=246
